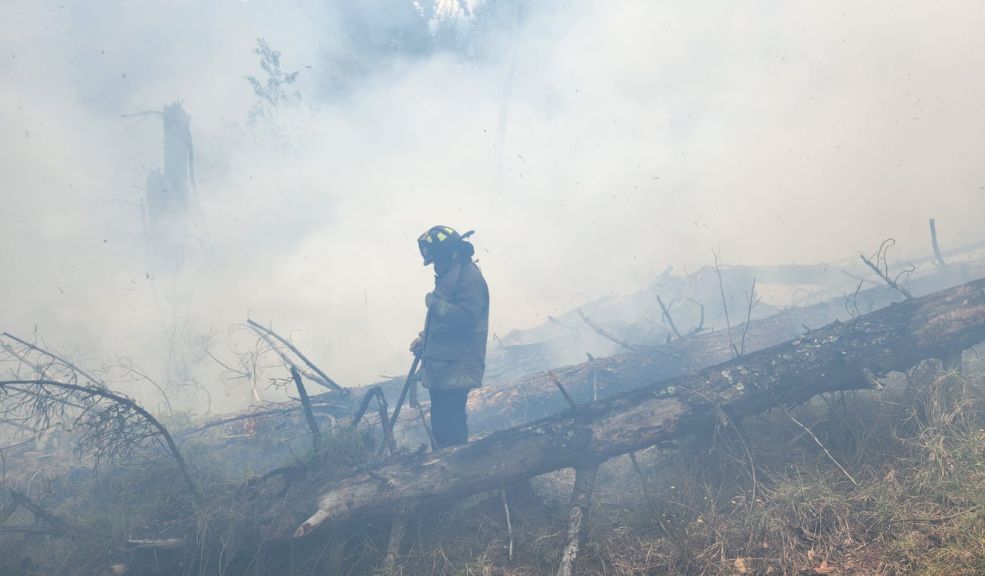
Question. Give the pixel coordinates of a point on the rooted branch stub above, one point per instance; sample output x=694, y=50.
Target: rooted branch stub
x=309, y=416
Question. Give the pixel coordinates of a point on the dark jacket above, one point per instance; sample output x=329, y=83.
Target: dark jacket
x=458, y=326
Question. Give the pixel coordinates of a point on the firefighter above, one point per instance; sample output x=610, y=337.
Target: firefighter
x=452, y=346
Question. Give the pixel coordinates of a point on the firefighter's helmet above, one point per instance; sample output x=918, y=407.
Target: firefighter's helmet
x=440, y=242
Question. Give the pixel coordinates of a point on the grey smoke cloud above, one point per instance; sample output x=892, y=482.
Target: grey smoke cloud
x=637, y=135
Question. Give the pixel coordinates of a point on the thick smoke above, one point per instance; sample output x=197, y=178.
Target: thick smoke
x=590, y=145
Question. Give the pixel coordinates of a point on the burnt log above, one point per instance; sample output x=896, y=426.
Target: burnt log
x=840, y=356
x=499, y=405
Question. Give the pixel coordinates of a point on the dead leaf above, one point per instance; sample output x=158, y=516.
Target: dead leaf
x=824, y=568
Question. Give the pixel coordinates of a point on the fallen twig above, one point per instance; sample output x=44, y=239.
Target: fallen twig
x=830, y=457
x=509, y=524
x=581, y=500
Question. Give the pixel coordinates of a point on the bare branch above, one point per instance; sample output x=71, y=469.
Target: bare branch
x=721, y=288
x=110, y=428
x=701, y=321
x=753, y=300
x=364, y=405
x=322, y=378
x=96, y=381
x=605, y=334
x=851, y=302
x=818, y=442
x=880, y=265
x=668, y=317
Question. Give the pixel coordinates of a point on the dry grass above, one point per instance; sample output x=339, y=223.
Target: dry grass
x=758, y=498
x=916, y=449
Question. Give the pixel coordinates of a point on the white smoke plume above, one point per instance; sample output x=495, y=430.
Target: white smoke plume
x=589, y=144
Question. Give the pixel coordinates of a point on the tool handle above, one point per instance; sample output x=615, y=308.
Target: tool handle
x=403, y=392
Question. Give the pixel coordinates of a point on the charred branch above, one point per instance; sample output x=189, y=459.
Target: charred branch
x=309, y=416
x=388, y=442
x=560, y=387
x=938, y=258
x=668, y=317
x=408, y=384
x=56, y=525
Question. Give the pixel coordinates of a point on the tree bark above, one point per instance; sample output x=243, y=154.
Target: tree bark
x=841, y=356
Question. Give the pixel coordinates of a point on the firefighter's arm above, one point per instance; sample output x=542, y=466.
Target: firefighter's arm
x=465, y=311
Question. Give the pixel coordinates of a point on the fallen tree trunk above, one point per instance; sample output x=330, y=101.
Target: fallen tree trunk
x=502, y=404
x=505, y=404
x=841, y=356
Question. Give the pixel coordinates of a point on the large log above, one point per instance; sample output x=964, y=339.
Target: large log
x=499, y=405
x=841, y=356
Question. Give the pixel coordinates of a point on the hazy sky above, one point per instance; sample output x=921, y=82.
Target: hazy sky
x=637, y=135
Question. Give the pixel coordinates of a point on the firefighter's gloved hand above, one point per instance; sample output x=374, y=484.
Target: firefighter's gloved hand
x=430, y=299
x=417, y=346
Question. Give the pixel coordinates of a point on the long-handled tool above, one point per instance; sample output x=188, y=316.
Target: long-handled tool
x=410, y=385
x=403, y=392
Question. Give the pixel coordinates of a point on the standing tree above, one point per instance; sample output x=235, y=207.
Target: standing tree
x=273, y=93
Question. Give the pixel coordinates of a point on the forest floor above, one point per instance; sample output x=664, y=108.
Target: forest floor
x=886, y=482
